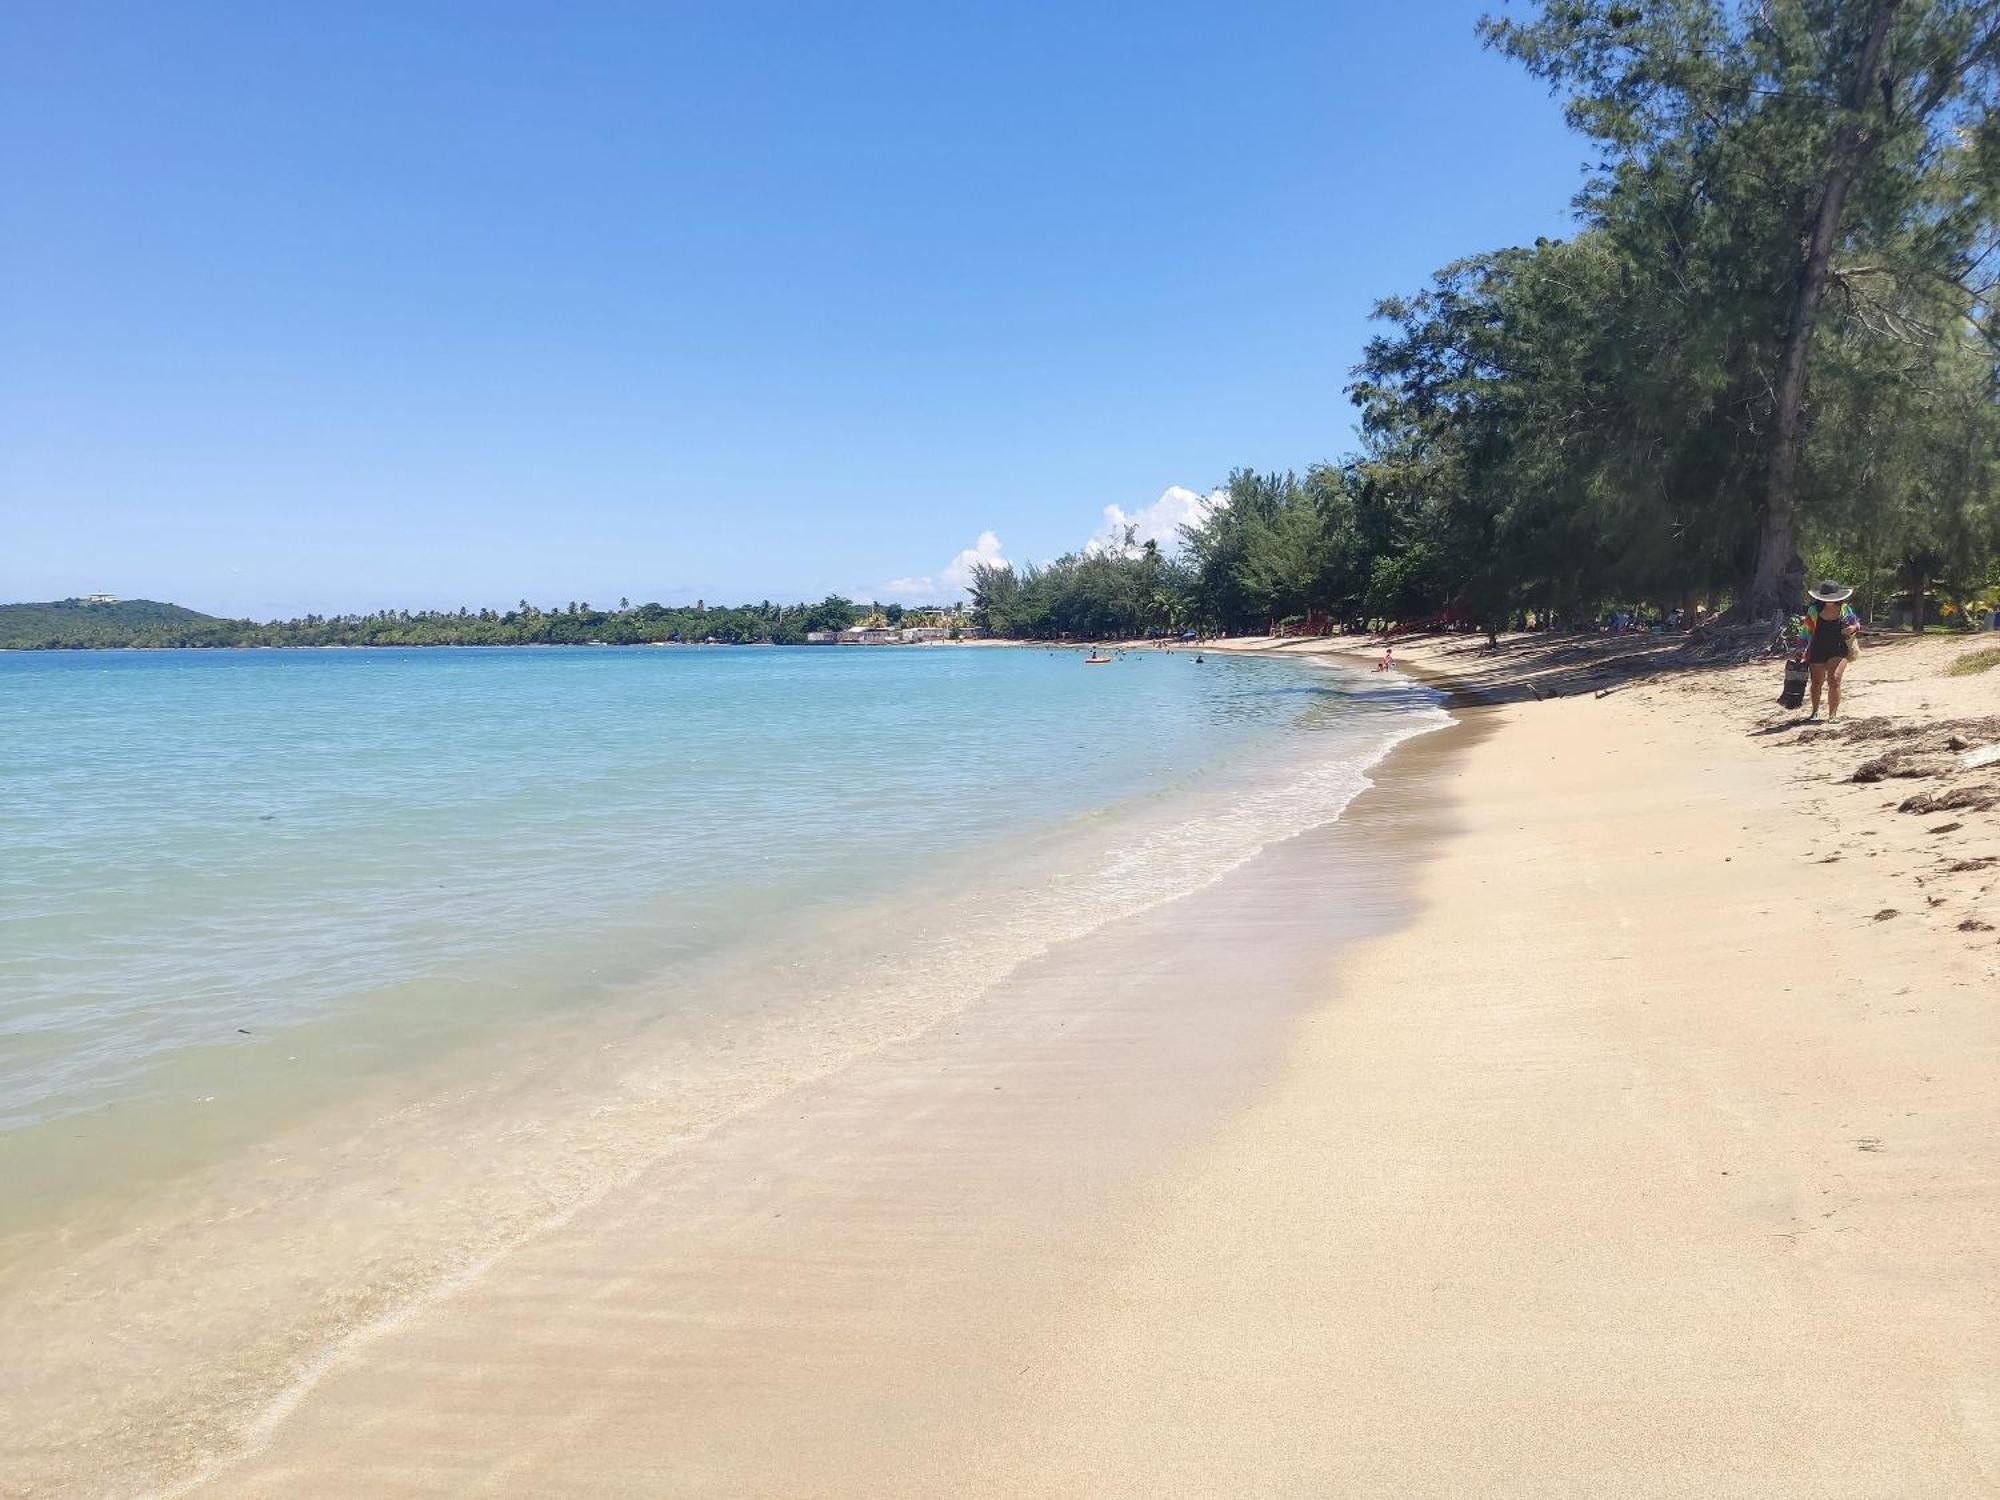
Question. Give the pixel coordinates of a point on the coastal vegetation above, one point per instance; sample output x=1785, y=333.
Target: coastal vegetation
x=1771, y=343
x=80, y=622
x=1974, y=662
x=141, y=622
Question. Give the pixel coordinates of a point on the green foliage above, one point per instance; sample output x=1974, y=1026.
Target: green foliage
x=141, y=623
x=831, y=613
x=72, y=622
x=1125, y=592
x=1575, y=423
x=1789, y=185
x=1556, y=428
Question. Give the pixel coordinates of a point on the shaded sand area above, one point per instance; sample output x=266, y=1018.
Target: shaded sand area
x=1569, y=1119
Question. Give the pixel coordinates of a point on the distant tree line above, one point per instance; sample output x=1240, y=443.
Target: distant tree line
x=1771, y=344
x=571, y=624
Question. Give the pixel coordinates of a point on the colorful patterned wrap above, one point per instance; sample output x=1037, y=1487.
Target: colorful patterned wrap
x=1802, y=626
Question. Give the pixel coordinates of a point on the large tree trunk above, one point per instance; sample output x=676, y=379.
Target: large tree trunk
x=1780, y=571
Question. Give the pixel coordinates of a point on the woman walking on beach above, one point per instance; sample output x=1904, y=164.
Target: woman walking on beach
x=1827, y=632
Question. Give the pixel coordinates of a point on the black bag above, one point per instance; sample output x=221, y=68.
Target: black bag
x=1795, y=685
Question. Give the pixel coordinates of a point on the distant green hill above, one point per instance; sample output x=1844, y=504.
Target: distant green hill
x=143, y=622
x=71, y=622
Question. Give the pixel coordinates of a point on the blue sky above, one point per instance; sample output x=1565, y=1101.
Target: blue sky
x=345, y=306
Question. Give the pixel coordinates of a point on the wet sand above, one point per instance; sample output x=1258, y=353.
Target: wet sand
x=848, y=1291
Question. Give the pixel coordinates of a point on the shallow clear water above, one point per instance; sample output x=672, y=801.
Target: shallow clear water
x=201, y=846
x=329, y=979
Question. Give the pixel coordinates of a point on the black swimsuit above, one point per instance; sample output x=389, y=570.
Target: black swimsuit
x=1829, y=638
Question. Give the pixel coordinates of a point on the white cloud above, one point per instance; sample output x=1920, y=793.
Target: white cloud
x=958, y=572
x=1159, y=522
x=950, y=583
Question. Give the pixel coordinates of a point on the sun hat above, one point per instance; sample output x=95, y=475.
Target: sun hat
x=1830, y=592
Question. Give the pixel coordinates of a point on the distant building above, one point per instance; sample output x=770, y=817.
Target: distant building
x=924, y=633
x=822, y=637
x=868, y=635
x=100, y=598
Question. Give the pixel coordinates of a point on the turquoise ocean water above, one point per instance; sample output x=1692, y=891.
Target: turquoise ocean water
x=390, y=851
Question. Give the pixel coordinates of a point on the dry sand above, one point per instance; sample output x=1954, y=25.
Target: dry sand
x=1647, y=1162
x=1568, y=1120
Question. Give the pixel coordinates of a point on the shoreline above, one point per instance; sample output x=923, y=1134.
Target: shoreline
x=1629, y=1203
x=58, y=1147
x=1585, y=1111
x=1110, y=1056
x=588, y=1104
x=1573, y=1183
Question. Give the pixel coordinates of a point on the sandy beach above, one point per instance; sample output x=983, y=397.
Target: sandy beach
x=1656, y=1157
x=838, y=755
x=1608, y=1104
